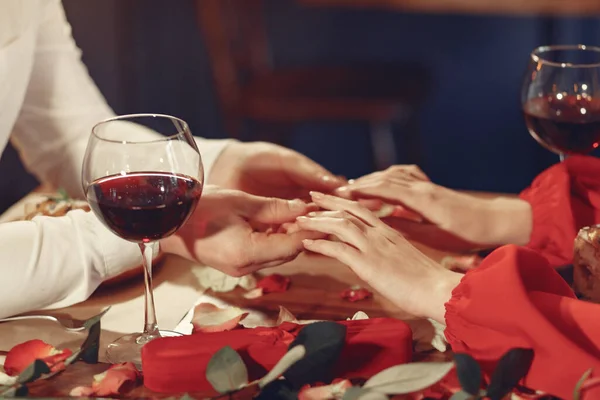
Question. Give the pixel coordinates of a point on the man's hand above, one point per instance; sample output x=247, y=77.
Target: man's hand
x=231, y=231
x=265, y=169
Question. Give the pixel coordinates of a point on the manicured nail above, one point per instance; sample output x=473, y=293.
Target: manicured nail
x=342, y=189
x=327, y=178
x=297, y=205
x=312, y=214
x=301, y=219
x=350, y=181
x=308, y=242
x=317, y=195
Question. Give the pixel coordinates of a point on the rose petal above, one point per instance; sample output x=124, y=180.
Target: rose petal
x=333, y=391
x=210, y=318
x=359, y=315
x=22, y=355
x=274, y=283
x=115, y=380
x=218, y=281
x=356, y=294
x=81, y=391
x=285, y=316
x=6, y=380
x=254, y=293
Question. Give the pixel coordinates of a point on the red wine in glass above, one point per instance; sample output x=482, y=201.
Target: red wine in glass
x=144, y=206
x=560, y=98
x=566, y=124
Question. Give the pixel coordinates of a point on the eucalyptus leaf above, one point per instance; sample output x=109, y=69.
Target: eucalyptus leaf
x=461, y=395
x=290, y=358
x=186, y=397
x=33, y=372
x=408, y=378
x=512, y=367
x=579, y=384
x=226, y=370
x=92, y=320
x=469, y=373
x=324, y=342
x=358, y=393
x=91, y=345
x=8, y=391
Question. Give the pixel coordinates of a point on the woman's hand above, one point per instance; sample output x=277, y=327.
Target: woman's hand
x=380, y=256
x=451, y=220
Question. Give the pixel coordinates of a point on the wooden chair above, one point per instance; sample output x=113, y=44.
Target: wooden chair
x=249, y=89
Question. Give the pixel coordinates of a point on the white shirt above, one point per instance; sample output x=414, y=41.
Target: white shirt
x=48, y=105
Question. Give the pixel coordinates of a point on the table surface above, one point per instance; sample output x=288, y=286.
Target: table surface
x=314, y=294
x=490, y=7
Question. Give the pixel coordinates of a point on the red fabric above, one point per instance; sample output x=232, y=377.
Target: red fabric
x=564, y=198
x=178, y=364
x=514, y=299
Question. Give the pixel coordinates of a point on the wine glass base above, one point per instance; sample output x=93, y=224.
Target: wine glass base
x=128, y=348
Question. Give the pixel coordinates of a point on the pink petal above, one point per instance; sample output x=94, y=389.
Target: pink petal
x=285, y=316
x=210, y=318
x=115, y=380
x=22, y=355
x=81, y=391
x=274, y=283
x=333, y=391
x=254, y=293
x=356, y=293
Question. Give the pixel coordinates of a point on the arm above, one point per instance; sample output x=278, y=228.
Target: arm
x=52, y=262
x=563, y=199
x=61, y=106
x=537, y=310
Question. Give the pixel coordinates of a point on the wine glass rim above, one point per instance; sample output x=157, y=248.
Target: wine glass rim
x=184, y=128
x=537, y=55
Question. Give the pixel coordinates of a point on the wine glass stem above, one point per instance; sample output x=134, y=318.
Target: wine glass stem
x=562, y=157
x=150, y=324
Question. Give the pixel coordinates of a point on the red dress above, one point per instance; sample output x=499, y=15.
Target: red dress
x=515, y=298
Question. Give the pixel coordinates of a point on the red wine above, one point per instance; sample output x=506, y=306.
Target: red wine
x=564, y=124
x=144, y=206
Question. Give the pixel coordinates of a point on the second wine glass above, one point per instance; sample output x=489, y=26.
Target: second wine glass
x=561, y=98
x=143, y=176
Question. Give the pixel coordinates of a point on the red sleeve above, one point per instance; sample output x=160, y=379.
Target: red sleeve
x=514, y=299
x=564, y=198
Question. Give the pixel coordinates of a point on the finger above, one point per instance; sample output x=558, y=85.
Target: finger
x=308, y=174
x=335, y=203
x=337, y=250
x=269, y=210
x=276, y=247
x=411, y=170
x=347, y=229
x=352, y=207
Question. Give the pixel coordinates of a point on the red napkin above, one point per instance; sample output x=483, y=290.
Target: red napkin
x=178, y=364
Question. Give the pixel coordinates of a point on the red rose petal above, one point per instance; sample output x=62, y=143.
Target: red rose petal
x=210, y=318
x=24, y=354
x=274, y=283
x=115, y=380
x=320, y=392
x=356, y=294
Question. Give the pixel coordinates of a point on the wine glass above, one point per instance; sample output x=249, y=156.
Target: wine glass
x=559, y=98
x=143, y=186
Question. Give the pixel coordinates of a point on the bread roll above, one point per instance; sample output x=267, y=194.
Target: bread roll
x=586, y=263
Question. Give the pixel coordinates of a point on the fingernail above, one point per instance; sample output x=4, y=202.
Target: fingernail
x=342, y=189
x=351, y=181
x=297, y=205
x=317, y=195
x=301, y=219
x=312, y=214
x=327, y=178
x=308, y=242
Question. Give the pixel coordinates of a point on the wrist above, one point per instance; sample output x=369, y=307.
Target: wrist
x=443, y=286
x=510, y=221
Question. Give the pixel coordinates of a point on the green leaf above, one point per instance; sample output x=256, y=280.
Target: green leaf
x=462, y=396
x=324, y=342
x=90, y=322
x=512, y=367
x=469, y=373
x=580, y=382
x=408, y=378
x=8, y=391
x=288, y=359
x=358, y=393
x=91, y=345
x=33, y=372
x=226, y=370
x=186, y=397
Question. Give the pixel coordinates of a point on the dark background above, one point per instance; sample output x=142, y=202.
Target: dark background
x=147, y=56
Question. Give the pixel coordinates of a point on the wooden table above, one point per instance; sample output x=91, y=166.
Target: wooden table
x=314, y=294
x=490, y=7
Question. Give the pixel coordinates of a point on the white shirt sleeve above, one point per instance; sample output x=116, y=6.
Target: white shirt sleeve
x=58, y=261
